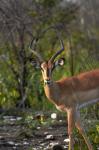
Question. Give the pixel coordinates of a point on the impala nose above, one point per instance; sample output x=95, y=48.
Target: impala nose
x=47, y=78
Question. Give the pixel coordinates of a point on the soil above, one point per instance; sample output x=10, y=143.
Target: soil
x=34, y=133
x=18, y=136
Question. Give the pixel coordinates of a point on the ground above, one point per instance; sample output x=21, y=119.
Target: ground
x=38, y=132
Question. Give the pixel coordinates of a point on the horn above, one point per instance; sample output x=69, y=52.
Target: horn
x=33, y=50
x=62, y=47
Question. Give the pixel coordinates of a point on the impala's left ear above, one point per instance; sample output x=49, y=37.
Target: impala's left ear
x=60, y=62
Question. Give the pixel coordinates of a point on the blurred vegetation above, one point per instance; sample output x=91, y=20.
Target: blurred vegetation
x=21, y=85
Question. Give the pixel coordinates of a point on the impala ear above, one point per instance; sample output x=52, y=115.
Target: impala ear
x=35, y=64
x=60, y=62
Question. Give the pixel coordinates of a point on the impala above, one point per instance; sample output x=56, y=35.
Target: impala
x=69, y=94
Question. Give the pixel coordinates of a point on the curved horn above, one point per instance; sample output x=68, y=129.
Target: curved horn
x=59, y=51
x=33, y=43
x=35, y=40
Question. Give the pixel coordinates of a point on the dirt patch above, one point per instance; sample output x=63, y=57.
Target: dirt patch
x=36, y=133
x=17, y=136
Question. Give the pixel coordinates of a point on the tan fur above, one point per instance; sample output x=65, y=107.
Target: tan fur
x=83, y=82
x=74, y=90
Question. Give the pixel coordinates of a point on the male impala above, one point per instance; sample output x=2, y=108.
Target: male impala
x=69, y=94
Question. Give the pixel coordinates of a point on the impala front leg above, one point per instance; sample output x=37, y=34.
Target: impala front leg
x=71, y=123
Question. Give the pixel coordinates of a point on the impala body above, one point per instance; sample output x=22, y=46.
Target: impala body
x=77, y=91
x=69, y=94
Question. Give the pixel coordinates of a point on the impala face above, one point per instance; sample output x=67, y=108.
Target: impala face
x=48, y=67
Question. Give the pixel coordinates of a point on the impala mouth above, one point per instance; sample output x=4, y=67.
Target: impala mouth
x=47, y=82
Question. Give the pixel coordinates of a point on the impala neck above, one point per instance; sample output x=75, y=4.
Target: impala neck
x=50, y=88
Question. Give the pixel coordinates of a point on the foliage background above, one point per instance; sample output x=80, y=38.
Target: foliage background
x=21, y=85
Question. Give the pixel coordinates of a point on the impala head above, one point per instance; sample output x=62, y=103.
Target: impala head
x=47, y=67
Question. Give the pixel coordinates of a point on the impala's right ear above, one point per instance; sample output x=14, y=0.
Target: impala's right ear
x=35, y=63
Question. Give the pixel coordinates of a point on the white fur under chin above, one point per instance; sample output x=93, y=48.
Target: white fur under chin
x=47, y=82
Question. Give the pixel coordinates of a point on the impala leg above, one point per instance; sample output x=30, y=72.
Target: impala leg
x=82, y=132
x=71, y=116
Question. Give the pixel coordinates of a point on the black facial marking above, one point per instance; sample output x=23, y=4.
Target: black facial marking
x=48, y=72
